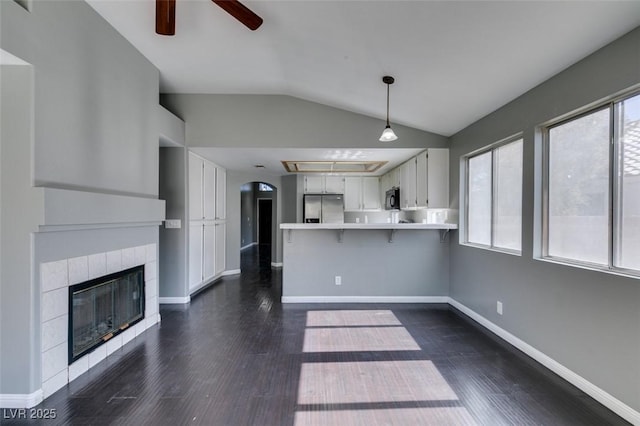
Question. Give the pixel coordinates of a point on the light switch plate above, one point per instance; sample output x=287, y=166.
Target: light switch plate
x=173, y=224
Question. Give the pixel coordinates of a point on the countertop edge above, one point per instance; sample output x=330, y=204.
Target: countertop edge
x=373, y=226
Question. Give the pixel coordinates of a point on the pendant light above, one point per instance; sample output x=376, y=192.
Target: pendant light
x=387, y=134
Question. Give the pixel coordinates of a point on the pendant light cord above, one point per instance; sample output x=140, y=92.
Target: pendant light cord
x=388, y=105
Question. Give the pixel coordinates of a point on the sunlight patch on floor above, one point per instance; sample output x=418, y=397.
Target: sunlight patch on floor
x=358, y=339
x=432, y=416
x=372, y=381
x=347, y=318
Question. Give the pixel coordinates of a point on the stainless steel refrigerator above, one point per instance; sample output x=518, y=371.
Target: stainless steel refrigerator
x=324, y=208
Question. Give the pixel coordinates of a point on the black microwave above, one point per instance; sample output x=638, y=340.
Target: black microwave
x=392, y=199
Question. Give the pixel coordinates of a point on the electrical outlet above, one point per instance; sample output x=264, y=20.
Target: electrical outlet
x=338, y=280
x=499, y=307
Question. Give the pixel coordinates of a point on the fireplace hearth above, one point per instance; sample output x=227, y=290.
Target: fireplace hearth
x=102, y=308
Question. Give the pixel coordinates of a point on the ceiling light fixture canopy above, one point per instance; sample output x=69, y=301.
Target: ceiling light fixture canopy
x=388, y=134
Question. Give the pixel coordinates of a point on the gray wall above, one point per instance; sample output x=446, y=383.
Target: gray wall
x=21, y=209
x=94, y=130
x=247, y=209
x=173, y=242
x=98, y=137
x=588, y=321
x=416, y=264
x=278, y=121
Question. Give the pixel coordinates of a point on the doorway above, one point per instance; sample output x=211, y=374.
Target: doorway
x=264, y=221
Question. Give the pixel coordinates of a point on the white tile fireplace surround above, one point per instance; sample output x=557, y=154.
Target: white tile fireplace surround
x=55, y=280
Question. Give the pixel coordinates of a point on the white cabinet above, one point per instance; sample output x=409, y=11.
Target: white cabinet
x=362, y=193
x=208, y=251
x=422, y=194
x=438, y=178
x=352, y=193
x=220, y=257
x=314, y=184
x=371, y=193
x=196, y=170
x=424, y=180
x=334, y=184
x=324, y=184
x=209, y=189
x=408, y=184
x=207, y=214
x=195, y=255
x=221, y=193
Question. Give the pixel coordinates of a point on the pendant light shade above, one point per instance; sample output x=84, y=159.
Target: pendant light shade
x=388, y=134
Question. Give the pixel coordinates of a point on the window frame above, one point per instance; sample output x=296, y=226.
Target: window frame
x=614, y=210
x=467, y=176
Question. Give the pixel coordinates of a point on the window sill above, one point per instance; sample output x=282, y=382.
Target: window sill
x=494, y=249
x=589, y=267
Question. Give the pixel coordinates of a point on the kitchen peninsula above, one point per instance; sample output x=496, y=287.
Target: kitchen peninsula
x=365, y=262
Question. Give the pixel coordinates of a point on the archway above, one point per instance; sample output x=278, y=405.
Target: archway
x=258, y=213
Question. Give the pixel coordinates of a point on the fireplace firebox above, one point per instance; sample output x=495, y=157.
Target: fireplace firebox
x=102, y=308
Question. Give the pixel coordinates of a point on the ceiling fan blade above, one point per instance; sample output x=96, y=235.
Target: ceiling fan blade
x=166, y=17
x=240, y=12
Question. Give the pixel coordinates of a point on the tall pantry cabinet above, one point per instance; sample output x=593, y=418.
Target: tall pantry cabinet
x=207, y=221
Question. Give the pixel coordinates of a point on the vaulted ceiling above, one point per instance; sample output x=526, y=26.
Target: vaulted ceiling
x=454, y=61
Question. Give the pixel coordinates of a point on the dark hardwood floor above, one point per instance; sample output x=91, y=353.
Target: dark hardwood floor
x=237, y=356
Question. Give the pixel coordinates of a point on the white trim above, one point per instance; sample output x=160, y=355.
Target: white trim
x=365, y=299
x=600, y=395
x=249, y=245
x=230, y=272
x=16, y=400
x=276, y=264
x=175, y=300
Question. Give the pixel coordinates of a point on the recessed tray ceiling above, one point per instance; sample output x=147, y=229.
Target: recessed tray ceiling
x=332, y=166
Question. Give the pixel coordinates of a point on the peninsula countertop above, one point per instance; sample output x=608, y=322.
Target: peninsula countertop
x=321, y=226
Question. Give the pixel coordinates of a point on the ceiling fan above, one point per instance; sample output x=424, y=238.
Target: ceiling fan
x=166, y=15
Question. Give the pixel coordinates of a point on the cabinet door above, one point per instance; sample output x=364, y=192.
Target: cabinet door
x=422, y=193
x=438, y=178
x=196, y=165
x=313, y=184
x=195, y=255
x=408, y=184
x=220, y=260
x=221, y=193
x=209, y=191
x=209, y=251
x=371, y=193
x=334, y=184
x=352, y=193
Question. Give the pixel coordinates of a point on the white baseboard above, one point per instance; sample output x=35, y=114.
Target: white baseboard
x=603, y=397
x=231, y=272
x=21, y=400
x=276, y=264
x=365, y=299
x=174, y=300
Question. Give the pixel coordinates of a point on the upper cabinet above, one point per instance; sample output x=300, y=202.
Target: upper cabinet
x=221, y=193
x=408, y=185
x=423, y=180
x=207, y=189
x=438, y=178
x=362, y=193
x=318, y=184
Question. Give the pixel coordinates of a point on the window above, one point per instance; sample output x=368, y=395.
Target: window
x=264, y=187
x=494, y=197
x=592, y=187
